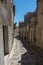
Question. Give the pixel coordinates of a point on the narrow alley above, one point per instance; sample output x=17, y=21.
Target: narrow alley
x=24, y=54
x=21, y=32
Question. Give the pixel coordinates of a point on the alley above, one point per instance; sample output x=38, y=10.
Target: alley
x=24, y=54
x=17, y=51
x=21, y=32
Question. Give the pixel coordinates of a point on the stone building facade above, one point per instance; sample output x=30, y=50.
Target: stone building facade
x=26, y=21
x=22, y=29
x=6, y=28
x=30, y=25
x=39, y=32
x=33, y=23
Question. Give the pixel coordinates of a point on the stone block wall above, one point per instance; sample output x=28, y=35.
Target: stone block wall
x=1, y=47
x=10, y=39
x=39, y=28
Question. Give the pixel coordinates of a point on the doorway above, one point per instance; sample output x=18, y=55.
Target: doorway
x=5, y=39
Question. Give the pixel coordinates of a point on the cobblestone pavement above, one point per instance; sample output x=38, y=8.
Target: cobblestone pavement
x=24, y=54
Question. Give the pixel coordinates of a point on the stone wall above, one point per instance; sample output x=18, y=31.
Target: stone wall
x=39, y=29
x=1, y=47
x=10, y=39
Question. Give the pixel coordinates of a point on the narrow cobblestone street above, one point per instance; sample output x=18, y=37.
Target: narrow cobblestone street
x=24, y=54
x=15, y=55
x=21, y=32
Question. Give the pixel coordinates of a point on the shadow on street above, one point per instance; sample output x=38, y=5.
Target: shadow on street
x=33, y=56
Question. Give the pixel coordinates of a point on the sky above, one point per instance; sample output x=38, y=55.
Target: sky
x=22, y=7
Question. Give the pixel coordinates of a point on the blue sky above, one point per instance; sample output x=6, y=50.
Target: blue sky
x=22, y=7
